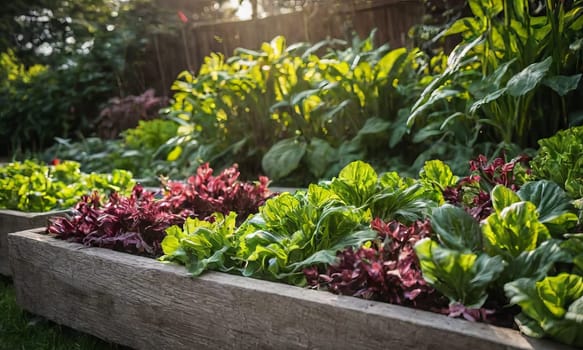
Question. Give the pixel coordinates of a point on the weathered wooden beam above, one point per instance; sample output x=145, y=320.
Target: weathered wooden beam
x=13, y=221
x=145, y=304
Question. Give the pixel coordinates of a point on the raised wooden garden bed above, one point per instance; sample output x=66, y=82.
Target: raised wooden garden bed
x=13, y=221
x=145, y=304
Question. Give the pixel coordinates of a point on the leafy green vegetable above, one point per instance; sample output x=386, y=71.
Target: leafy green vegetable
x=552, y=307
x=356, y=183
x=537, y=263
x=33, y=187
x=552, y=203
x=438, y=175
x=202, y=245
x=513, y=230
x=462, y=277
x=560, y=159
x=296, y=231
x=456, y=229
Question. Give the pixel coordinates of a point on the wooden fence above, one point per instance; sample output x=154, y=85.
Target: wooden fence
x=172, y=54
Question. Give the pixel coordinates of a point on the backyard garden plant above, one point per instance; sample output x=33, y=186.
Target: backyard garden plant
x=501, y=245
x=421, y=184
x=34, y=187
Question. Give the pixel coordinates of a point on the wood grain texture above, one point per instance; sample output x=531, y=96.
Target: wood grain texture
x=13, y=221
x=145, y=304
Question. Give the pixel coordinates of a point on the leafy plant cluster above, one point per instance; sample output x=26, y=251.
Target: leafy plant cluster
x=90, y=50
x=135, y=151
x=500, y=245
x=512, y=80
x=125, y=113
x=311, y=112
x=33, y=187
x=293, y=232
x=385, y=269
x=137, y=223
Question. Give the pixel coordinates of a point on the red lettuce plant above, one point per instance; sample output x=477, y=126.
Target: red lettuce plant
x=134, y=224
x=204, y=194
x=137, y=224
x=388, y=270
x=473, y=192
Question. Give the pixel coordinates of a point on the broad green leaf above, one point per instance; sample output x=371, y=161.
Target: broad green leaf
x=456, y=229
x=493, y=96
x=528, y=326
x=319, y=156
x=553, y=306
x=373, y=126
x=438, y=175
x=407, y=204
x=391, y=180
x=174, y=154
x=172, y=240
x=283, y=158
x=558, y=292
x=356, y=183
x=574, y=245
x=279, y=208
x=462, y=277
x=388, y=62
x=513, y=230
x=552, y=204
x=537, y=263
x=477, y=7
x=319, y=196
x=526, y=80
x=561, y=84
x=462, y=25
x=503, y=197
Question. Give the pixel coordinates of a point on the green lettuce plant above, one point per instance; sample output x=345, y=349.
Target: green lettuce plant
x=560, y=159
x=292, y=232
x=551, y=307
x=34, y=187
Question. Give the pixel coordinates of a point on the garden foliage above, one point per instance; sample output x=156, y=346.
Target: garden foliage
x=483, y=247
x=137, y=223
x=311, y=113
x=61, y=60
x=33, y=187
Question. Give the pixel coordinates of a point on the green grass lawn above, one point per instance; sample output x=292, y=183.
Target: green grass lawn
x=20, y=330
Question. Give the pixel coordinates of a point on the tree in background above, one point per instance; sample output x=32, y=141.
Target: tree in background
x=84, y=51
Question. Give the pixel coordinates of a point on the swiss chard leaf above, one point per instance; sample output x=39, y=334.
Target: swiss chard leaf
x=456, y=229
x=513, y=230
x=462, y=277
x=552, y=307
x=552, y=203
x=356, y=183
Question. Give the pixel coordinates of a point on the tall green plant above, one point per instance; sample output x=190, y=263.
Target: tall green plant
x=509, y=79
x=291, y=110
